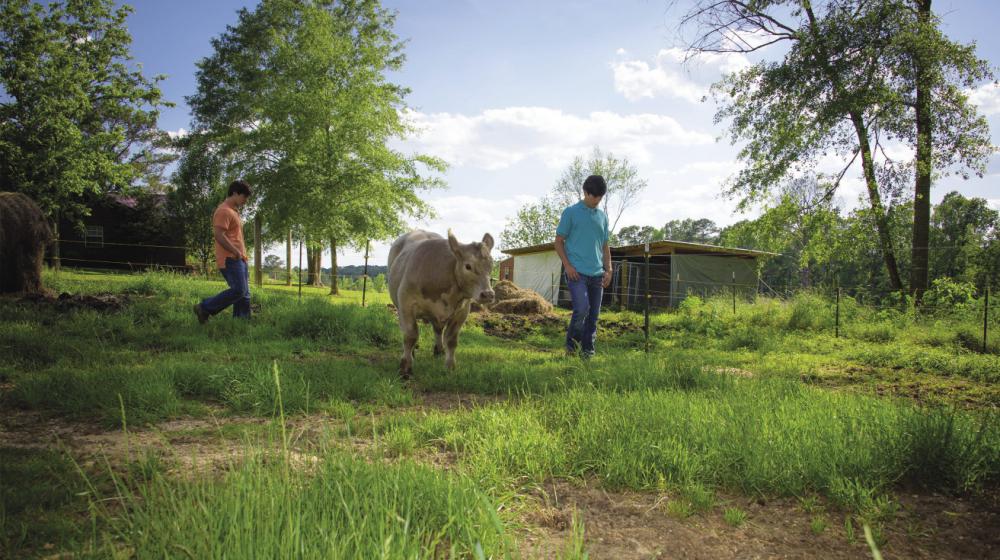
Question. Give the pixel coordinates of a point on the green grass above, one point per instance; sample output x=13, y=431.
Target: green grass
x=345, y=508
x=724, y=401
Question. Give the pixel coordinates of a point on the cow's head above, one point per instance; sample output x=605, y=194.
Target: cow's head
x=473, y=265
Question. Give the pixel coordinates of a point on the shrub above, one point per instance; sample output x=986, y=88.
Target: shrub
x=810, y=312
x=946, y=294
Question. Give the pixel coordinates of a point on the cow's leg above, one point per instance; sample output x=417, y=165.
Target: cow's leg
x=452, y=328
x=438, y=342
x=408, y=326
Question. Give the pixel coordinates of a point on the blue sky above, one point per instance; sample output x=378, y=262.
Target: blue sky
x=509, y=92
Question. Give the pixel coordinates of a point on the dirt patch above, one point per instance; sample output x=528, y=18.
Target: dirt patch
x=108, y=303
x=95, y=446
x=631, y=525
x=514, y=327
x=926, y=389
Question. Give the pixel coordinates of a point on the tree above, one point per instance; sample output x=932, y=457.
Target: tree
x=692, y=231
x=296, y=96
x=847, y=85
x=624, y=183
x=960, y=235
x=534, y=224
x=198, y=189
x=635, y=235
x=273, y=263
x=77, y=116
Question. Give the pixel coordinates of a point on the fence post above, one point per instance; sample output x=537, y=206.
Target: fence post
x=734, y=292
x=986, y=317
x=648, y=301
x=300, y=271
x=836, y=333
x=364, y=284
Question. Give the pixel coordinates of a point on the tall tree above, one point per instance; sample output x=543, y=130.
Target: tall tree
x=624, y=183
x=534, y=224
x=845, y=86
x=297, y=96
x=76, y=114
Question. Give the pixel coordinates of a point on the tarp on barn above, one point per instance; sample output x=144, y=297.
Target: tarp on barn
x=539, y=272
x=704, y=275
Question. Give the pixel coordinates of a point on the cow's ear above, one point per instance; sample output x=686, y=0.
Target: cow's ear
x=488, y=243
x=455, y=247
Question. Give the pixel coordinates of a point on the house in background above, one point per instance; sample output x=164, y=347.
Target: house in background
x=676, y=269
x=124, y=232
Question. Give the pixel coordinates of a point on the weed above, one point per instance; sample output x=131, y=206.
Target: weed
x=735, y=516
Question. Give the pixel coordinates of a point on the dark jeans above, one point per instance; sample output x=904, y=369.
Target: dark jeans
x=238, y=294
x=586, y=294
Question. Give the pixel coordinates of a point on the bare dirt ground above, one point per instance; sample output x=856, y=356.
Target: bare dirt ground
x=617, y=524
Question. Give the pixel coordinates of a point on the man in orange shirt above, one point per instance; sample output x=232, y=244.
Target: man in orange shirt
x=230, y=257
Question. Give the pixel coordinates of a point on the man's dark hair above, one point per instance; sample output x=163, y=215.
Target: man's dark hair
x=595, y=185
x=239, y=187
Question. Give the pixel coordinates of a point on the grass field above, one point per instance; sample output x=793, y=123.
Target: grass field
x=135, y=431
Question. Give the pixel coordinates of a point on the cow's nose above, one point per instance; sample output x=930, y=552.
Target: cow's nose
x=487, y=297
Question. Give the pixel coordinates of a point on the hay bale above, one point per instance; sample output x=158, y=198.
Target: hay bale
x=505, y=289
x=523, y=306
x=24, y=233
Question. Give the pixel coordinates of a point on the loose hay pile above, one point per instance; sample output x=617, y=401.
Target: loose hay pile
x=24, y=233
x=518, y=301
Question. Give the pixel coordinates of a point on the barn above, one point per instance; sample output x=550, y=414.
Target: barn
x=124, y=232
x=675, y=270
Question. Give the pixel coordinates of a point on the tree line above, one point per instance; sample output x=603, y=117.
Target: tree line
x=297, y=97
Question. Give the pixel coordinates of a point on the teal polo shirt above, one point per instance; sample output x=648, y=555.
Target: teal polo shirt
x=586, y=232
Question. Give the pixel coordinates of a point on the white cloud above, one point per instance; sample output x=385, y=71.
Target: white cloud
x=673, y=73
x=987, y=97
x=993, y=203
x=179, y=133
x=499, y=138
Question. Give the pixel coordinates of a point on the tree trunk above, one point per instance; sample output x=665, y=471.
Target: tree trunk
x=334, y=289
x=867, y=164
x=314, y=257
x=288, y=259
x=258, y=272
x=881, y=222
x=55, y=243
x=925, y=164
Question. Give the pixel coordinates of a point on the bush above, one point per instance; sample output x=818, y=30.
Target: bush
x=810, y=312
x=947, y=295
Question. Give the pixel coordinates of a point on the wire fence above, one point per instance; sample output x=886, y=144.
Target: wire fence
x=636, y=283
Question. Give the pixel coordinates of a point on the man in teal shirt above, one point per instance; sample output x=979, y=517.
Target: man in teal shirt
x=582, y=245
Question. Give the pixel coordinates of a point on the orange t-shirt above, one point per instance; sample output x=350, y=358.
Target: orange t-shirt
x=229, y=219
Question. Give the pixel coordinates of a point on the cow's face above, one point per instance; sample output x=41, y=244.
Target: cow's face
x=473, y=265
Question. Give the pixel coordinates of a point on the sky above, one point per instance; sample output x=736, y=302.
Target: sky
x=508, y=93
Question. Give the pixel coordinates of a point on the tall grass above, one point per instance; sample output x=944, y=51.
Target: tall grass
x=771, y=436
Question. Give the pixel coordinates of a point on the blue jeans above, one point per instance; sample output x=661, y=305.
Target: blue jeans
x=586, y=294
x=238, y=294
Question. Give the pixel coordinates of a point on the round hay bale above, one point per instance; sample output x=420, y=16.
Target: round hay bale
x=24, y=233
